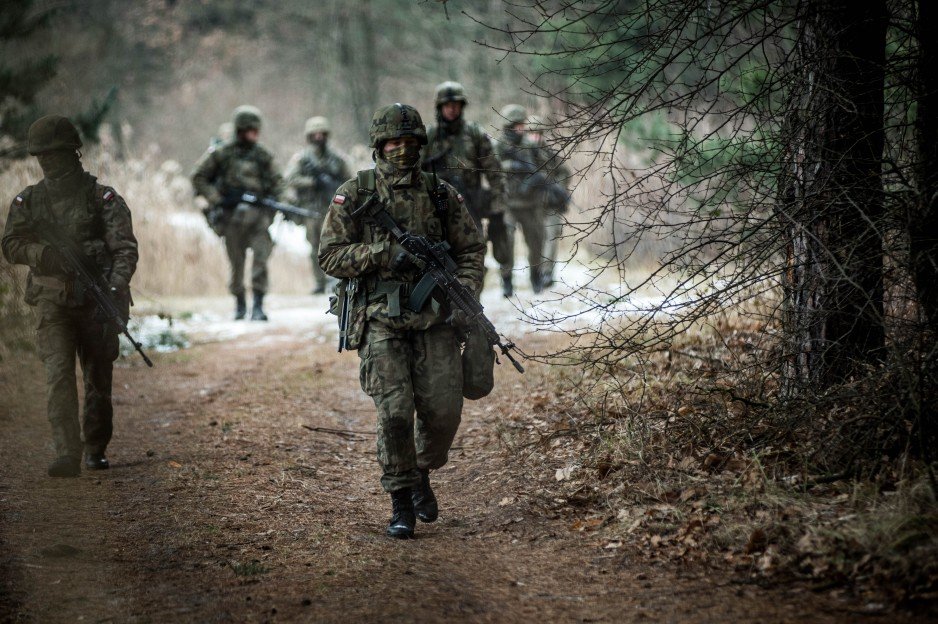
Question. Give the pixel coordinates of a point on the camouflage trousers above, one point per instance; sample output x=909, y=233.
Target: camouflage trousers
x=248, y=230
x=553, y=232
x=497, y=233
x=406, y=372
x=313, y=235
x=62, y=333
x=531, y=222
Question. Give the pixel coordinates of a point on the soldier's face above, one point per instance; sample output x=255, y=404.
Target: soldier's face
x=57, y=163
x=451, y=110
x=319, y=138
x=251, y=135
x=534, y=137
x=391, y=144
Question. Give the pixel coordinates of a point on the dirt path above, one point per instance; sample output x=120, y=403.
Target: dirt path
x=224, y=506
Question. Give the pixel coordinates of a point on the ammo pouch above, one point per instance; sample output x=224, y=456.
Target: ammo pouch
x=478, y=366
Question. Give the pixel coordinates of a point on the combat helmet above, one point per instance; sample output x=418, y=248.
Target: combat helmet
x=52, y=132
x=317, y=124
x=246, y=117
x=395, y=121
x=513, y=114
x=450, y=91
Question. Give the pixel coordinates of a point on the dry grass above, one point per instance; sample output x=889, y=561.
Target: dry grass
x=174, y=260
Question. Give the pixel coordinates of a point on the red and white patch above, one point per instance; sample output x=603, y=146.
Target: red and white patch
x=462, y=200
x=338, y=199
x=19, y=200
x=108, y=195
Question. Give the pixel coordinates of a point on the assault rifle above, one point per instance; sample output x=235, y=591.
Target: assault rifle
x=233, y=198
x=439, y=272
x=88, y=278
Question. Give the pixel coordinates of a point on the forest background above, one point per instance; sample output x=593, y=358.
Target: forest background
x=682, y=122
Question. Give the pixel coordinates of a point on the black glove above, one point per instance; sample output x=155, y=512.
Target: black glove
x=400, y=260
x=53, y=263
x=458, y=319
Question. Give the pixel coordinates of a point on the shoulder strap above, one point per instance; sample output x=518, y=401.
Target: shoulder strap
x=439, y=197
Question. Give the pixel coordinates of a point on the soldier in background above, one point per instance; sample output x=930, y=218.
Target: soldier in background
x=98, y=222
x=410, y=361
x=461, y=153
x=518, y=161
x=242, y=165
x=313, y=175
x=549, y=181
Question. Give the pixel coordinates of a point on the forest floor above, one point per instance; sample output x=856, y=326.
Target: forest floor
x=244, y=488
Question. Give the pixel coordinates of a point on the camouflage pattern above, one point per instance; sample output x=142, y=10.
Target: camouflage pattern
x=317, y=124
x=410, y=362
x=99, y=222
x=518, y=160
x=250, y=167
x=52, y=132
x=309, y=175
x=395, y=121
x=406, y=373
x=513, y=114
x=550, y=163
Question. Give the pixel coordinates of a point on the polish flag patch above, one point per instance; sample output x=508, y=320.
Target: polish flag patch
x=108, y=195
x=19, y=200
x=462, y=200
x=338, y=199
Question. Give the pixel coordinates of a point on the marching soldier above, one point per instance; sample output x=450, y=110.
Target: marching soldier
x=550, y=182
x=313, y=175
x=524, y=210
x=98, y=222
x=463, y=155
x=241, y=165
x=410, y=360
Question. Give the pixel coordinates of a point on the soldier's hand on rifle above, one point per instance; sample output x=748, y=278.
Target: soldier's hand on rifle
x=53, y=263
x=400, y=260
x=459, y=319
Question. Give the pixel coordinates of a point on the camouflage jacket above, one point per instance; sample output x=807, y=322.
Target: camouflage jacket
x=518, y=159
x=237, y=167
x=358, y=248
x=314, y=177
x=93, y=215
x=463, y=157
x=551, y=171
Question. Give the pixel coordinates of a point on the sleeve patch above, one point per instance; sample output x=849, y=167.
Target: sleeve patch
x=462, y=200
x=108, y=195
x=338, y=199
x=19, y=200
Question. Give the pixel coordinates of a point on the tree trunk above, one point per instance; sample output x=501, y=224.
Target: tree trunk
x=834, y=203
x=923, y=222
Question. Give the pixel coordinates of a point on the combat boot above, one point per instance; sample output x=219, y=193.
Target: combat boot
x=425, y=504
x=537, y=282
x=402, y=514
x=257, y=313
x=96, y=461
x=65, y=467
x=241, y=307
x=320, y=289
x=507, y=288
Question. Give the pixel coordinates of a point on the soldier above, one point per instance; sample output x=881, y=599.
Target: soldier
x=462, y=153
x=242, y=165
x=313, y=174
x=550, y=180
x=410, y=361
x=518, y=162
x=98, y=222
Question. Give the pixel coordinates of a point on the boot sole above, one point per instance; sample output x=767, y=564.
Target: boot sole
x=404, y=535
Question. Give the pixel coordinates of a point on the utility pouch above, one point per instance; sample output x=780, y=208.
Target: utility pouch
x=478, y=366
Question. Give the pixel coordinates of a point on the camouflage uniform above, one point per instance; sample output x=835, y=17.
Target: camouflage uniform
x=462, y=154
x=518, y=161
x=242, y=166
x=410, y=362
x=313, y=175
x=97, y=219
x=553, y=175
